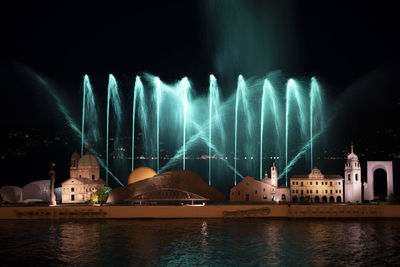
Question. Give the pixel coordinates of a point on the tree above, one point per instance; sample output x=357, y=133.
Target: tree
x=100, y=196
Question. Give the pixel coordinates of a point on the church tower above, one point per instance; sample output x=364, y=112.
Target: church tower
x=274, y=175
x=352, y=178
x=74, y=165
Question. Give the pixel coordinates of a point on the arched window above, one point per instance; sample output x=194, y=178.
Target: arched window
x=356, y=176
x=283, y=197
x=348, y=177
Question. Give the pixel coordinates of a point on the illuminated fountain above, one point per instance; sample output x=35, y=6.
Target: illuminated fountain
x=114, y=99
x=175, y=109
x=236, y=134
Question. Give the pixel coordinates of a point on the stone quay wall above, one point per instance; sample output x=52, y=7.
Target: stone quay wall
x=207, y=211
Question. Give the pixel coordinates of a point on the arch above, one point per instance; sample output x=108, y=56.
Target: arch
x=338, y=199
x=324, y=199
x=295, y=199
x=302, y=199
x=380, y=184
x=331, y=199
x=283, y=197
x=316, y=199
x=372, y=166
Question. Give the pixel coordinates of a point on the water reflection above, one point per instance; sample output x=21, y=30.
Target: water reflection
x=200, y=242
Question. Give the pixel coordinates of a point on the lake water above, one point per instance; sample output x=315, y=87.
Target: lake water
x=212, y=242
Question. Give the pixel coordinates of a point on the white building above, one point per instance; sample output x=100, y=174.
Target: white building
x=84, y=179
x=352, y=179
x=265, y=190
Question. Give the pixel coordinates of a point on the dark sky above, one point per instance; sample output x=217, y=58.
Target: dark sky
x=352, y=47
x=338, y=41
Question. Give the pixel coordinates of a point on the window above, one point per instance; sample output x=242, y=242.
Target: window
x=263, y=189
x=301, y=184
x=293, y=191
x=238, y=193
x=93, y=176
x=336, y=191
x=256, y=192
x=340, y=191
x=301, y=191
x=80, y=176
x=292, y=183
x=297, y=191
x=233, y=193
x=264, y=196
x=283, y=197
x=338, y=183
x=331, y=191
x=310, y=183
x=326, y=191
x=326, y=183
x=316, y=191
x=330, y=184
x=297, y=183
x=247, y=197
x=72, y=189
x=348, y=177
x=273, y=198
x=310, y=191
x=72, y=197
x=307, y=191
x=356, y=176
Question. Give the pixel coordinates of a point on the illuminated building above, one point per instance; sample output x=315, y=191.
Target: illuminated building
x=176, y=186
x=265, y=190
x=84, y=179
x=317, y=187
x=352, y=176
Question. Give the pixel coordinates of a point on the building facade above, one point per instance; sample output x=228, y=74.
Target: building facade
x=352, y=178
x=264, y=190
x=317, y=187
x=84, y=179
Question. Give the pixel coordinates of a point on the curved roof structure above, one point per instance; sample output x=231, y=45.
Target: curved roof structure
x=38, y=190
x=75, y=156
x=140, y=174
x=176, y=185
x=352, y=156
x=88, y=160
x=11, y=194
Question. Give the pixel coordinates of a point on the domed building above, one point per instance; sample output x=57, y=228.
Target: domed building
x=141, y=173
x=37, y=191
x=172, y=186
x=352, y=176
x=11, y=194
x=84, y=179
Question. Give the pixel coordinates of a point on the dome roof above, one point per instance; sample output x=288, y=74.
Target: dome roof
x=75, y=155
x=38, y=190
x=88, y=160
x=11, y=194
x=174, y=182
x=140, y=173
x=352, y=156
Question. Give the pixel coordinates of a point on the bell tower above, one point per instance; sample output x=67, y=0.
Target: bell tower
x=73, y=170
x=352, y=178
x=274, y=175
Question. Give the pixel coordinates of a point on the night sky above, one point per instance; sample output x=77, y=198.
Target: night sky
x=351, y=47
